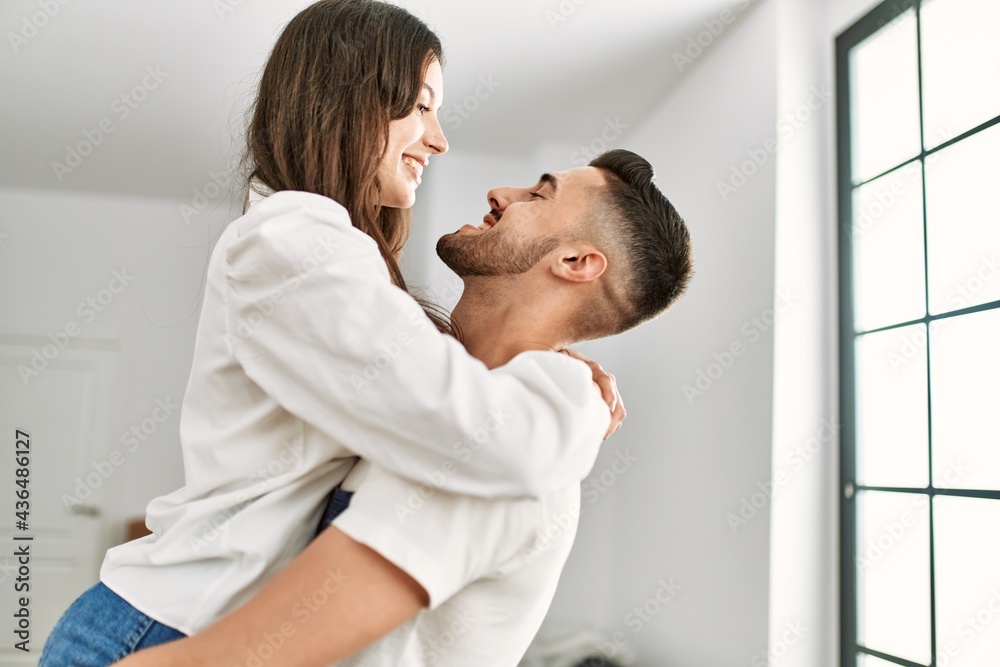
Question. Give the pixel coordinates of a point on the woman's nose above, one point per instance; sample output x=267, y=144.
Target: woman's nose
x=435, y=139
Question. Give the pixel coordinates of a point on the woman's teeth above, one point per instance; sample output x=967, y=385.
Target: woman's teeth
x=414, y=165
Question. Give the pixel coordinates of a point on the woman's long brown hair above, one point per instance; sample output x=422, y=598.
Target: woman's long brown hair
x=339, y=72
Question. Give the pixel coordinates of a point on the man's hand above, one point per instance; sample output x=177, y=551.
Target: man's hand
x=173, y=654
x=365, y=597
x=609, y=389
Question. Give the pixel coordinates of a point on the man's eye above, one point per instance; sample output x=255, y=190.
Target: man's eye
x=535, y=194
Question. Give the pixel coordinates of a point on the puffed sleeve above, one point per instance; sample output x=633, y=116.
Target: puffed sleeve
x=315, y=322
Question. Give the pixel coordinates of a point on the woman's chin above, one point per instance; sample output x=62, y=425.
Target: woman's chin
x=404, y=199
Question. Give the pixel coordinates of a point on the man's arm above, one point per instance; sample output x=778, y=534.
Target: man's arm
x=337, y=597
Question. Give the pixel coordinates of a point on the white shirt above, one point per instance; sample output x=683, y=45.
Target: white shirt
x=490, y=567
x=307, y=356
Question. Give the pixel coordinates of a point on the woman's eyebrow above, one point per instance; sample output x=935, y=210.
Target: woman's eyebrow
x=430, y=91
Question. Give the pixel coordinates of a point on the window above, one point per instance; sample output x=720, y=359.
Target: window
x=918, y=86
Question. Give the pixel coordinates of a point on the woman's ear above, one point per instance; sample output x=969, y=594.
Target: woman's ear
x=579, y=263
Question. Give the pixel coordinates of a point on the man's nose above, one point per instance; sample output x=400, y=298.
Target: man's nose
x=501, y=198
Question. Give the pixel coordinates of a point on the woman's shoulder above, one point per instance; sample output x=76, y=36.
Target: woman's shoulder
x=283, y=200
x=296, y=209
x=295, y=223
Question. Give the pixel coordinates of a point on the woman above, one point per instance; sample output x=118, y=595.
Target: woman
x=309, y=352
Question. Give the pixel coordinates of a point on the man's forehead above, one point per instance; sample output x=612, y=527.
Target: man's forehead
x=580, y=177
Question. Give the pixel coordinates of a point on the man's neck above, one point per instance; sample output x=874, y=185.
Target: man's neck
x=500, y=322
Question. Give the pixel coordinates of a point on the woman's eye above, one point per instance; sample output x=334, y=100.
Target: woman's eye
x=421, y=109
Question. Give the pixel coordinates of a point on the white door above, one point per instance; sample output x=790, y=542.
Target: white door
x=66, y=409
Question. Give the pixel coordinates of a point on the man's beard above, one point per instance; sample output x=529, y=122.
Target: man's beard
x=500, y=253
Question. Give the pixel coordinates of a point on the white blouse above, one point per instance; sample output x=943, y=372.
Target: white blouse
x=306, y=357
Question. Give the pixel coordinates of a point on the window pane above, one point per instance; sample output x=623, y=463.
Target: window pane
x=893, y=565
x=872, y=661
x=892, y=407
x=885, y=113
x=967, y=580
x=963, y=222
x=888, y=239
x=965, y=397
x=961, y=65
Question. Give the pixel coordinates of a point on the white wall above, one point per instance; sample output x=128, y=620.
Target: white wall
x=61, y=249
x=804, y=558
x=805, y=531
x=701, y=457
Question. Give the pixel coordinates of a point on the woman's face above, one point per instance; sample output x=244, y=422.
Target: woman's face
x=412, y=140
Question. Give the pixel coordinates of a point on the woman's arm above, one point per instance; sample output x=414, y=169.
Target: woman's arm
x=315, y=322
x=334, y=599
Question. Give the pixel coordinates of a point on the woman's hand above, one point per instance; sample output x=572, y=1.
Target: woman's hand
x=609, y=389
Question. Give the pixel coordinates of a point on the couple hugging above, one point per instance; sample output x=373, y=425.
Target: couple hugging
x=314, y=563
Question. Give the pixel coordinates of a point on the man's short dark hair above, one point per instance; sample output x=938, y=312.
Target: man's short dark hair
x=646, y=238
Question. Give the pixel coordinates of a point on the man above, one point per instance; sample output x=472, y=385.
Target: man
x=409, y=574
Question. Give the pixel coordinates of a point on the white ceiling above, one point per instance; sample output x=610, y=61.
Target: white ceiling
x=559, y=80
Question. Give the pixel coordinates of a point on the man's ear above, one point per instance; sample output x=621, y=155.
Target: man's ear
x=579, y=263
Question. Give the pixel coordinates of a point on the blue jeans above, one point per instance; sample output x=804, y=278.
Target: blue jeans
x=337, y=503
x=101, y=628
